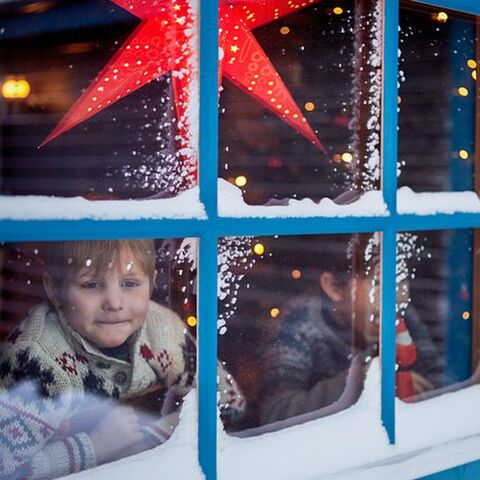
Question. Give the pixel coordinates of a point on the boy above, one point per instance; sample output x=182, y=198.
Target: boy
x=99, y=339
x=321, y=350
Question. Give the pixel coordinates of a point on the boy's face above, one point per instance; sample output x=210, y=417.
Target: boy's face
x=106, y=308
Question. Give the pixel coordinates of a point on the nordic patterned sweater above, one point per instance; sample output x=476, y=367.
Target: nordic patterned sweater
x=48, y=373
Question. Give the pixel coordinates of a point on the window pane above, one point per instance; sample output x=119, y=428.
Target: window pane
x=107, y=94
x=298, y=324
x=437, y=98
x=435, y=313
x=98, y=350
x=314, y=130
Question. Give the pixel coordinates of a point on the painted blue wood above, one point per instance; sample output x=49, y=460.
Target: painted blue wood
x=469, y=471
x=207, y=272
x=389, y=185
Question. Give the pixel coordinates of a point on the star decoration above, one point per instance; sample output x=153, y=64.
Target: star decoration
x=163, y=42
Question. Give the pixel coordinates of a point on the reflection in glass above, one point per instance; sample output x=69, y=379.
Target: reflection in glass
x=437, y=98
x=102, y=95
x=97, y=351
x=435, y=300
x=329, y=61
x=299, y=324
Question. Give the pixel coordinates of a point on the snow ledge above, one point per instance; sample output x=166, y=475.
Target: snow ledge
x=430, y=203
x=186, y=205
x=232, y=204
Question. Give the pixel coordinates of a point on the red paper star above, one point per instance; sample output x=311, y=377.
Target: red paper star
x=163, y=43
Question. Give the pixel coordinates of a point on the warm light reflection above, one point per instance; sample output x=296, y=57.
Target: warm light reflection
x=296, y=274
x=474, y=74
x=309, y=106
x=463, y=154
x=284, y=30
x=274, y=312
x=463, y=91
x=347, y=157
x=191, y=321
x=472, y=63
x=259, y=248
x=442, y=17
x=338, y=10
x=466, y=315
x=15, y=88
x=241, y=181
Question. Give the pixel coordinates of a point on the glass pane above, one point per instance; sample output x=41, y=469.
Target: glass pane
x=298, y=324
x=436, y=316
x=437, y=98
x=300, y=100
x=104, y=91
x=98, y=350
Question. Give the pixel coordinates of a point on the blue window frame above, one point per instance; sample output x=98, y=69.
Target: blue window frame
x=210, y=229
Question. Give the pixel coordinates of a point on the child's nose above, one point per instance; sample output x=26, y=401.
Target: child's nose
x=113, y=298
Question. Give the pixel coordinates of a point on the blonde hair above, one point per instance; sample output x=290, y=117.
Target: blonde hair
x=65, y=259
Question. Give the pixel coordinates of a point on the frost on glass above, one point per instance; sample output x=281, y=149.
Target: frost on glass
x=99, y=98
x=299, y=324
x=300, y=98
x=437, y=333
x=97, y=351
x=437, y=98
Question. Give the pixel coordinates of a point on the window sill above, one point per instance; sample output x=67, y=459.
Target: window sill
x=184, y=206
x=431, y=436
x=232, y=205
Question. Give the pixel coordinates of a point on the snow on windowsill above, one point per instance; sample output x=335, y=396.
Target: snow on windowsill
x=432, y=436
x=429, y=203
x=175, y=459
x=232, y=204
x=186, y=205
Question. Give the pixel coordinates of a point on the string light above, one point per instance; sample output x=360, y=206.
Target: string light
x=472, y=63
x=474, y=74
x=241, y=181
x=347, y=157
x=442, y=17
x=463, y=154
x=309, y=106
x=338, y=10
x=284, y=30
x=259, y=248
x=296, y=274
x=463, y=91
x=191, y=321
x=466, y=315
x=274, y=312
x=15, y=88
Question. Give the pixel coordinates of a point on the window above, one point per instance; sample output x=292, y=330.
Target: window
x=274, y=198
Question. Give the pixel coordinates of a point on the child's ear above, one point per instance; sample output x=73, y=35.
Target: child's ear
x=330, y=286
x=50, y=289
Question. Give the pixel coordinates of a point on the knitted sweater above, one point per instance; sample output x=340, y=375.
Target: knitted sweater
x=49, y=373
x=307, y=363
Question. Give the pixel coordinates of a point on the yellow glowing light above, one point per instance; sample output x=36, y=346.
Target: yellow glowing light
x=442, y=17
x=466, y=315
x=474, y=74
x=15, y=88
x=472, y=63
x=338, y=10
x=296, y=274
x=241, y=181
x=284, y=30
x=347, y=157
x=259, y=249
x=309, y=106
x=191, y=321
x=463, y=91
x=463, y=154
x=274, y=312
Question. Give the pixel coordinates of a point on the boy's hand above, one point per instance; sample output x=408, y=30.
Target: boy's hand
x=117, y=434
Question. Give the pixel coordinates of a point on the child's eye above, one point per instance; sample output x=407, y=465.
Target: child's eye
x=131, y=283
x=91, y=285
